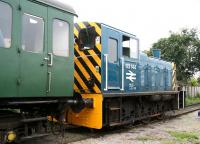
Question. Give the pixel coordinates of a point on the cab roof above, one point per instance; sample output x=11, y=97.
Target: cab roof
x=119, y=30
x=59, y=5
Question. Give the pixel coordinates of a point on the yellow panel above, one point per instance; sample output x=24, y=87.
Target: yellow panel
x=89, y=117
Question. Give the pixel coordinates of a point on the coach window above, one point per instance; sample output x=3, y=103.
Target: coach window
x=112, y=50
x=5, y=25
x=32, y=33
x=60, y=38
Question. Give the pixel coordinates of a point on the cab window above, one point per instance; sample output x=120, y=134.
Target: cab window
x=5, y=25
x=112, y=50
x=32, y=33
x=130, y=47
x=87, y=38
x=60, y=38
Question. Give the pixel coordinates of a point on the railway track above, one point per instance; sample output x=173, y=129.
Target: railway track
x=74, y=134
x=186, y=110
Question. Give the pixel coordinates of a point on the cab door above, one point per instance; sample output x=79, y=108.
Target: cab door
x=60, y=44
x=9, y=58
x=33, y=49
x=112, y=44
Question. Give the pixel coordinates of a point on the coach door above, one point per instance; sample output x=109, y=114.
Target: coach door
x=9, y=59
x=33, y=50
x=60, y=50
x=113, y=64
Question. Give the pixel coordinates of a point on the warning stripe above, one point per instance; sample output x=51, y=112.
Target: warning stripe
x=84, y=75
x=94, y=59
x=97, y=59
x=76, y=89
x=83, y=78
x=77, y=84
x=80, y=80
x=81, y=25
x=98, y=46
x=89, y=68
x=97, y=28
x=86, y=63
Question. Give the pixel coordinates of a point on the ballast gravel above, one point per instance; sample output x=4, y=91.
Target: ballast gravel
x=157, y=133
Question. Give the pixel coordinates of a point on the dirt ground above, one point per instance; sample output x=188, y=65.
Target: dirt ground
x=181, y=130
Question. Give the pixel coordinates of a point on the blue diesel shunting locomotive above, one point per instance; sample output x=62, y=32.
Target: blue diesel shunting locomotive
x=124, y=84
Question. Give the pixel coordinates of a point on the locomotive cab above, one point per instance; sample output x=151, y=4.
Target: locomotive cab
x=120, y=56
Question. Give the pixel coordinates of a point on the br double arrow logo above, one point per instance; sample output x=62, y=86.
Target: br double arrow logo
x=130, y=76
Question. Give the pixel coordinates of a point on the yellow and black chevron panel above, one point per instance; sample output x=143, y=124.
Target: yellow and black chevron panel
x=87, y=75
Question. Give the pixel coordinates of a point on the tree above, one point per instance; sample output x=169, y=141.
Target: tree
x=198, y=80
x=193, y=82
x=183, y=49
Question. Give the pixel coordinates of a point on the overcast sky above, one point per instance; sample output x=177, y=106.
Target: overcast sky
x=148, y=19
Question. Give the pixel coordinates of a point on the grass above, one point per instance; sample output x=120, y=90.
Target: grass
x=148, y=138
x=181, y=137
x=185, y=136
x=192, y=100
x=168, y=142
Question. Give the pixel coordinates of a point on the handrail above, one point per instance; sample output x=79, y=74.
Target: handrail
x=106, y=70
x=122, y=88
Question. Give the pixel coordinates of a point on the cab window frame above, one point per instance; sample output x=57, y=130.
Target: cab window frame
x=52, y=35
x=113, y=53
x=127, y=48
x=11, y=10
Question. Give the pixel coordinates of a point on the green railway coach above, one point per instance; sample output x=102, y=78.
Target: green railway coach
x=36, y=49
x=36, y=63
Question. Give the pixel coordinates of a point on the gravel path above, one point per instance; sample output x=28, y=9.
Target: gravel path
x=181, y=130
